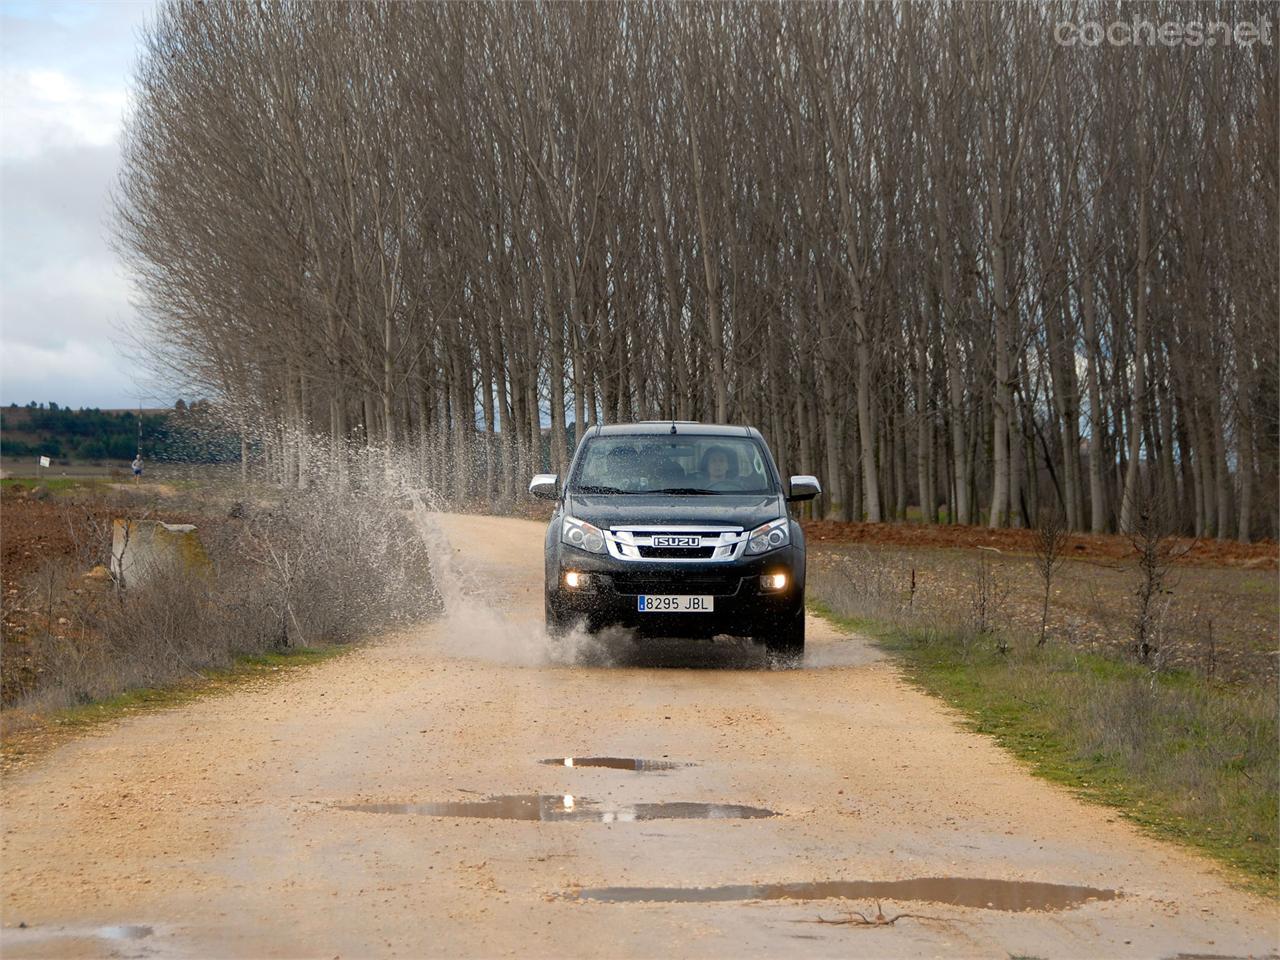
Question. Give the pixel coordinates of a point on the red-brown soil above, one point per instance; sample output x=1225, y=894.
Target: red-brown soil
x=1263, y=555
x=46, y=546
x=38, y=536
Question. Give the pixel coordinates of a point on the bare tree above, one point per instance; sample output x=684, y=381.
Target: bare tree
x=932, y=252
x=1050, y=543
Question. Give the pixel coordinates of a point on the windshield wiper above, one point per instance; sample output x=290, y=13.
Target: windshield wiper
x=595, y=488
x=692, y=491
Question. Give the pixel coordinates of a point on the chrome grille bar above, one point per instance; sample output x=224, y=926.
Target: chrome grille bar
x=726, y=543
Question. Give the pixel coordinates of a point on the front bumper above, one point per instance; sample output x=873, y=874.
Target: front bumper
x=741, y=606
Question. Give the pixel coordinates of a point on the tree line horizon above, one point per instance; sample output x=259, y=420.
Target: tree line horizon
x=942, y=261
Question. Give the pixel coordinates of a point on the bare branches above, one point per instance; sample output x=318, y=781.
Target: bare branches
x=856, y=918
x=1049, y=544
x=932, y=253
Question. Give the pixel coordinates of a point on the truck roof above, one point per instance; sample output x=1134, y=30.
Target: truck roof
x=686, y=427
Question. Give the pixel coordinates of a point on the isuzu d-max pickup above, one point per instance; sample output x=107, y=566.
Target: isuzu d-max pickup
x=677, y=529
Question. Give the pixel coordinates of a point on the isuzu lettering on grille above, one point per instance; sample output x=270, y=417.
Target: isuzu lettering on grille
x=677, y=541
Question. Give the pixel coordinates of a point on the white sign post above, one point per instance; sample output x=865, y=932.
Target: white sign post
x=44, y=462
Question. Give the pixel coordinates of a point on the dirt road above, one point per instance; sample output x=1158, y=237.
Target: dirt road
x=280, y=821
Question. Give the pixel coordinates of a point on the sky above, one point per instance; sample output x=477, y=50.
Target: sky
x=65, y=299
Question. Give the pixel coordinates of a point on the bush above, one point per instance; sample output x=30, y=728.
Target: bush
x=307, y=571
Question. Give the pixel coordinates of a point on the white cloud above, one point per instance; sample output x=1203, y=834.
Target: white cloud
x=64, y=297
x=83, y=298
x=75, y=373
x=48, y=109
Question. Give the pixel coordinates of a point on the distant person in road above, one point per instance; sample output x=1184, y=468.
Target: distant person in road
x=137, y=468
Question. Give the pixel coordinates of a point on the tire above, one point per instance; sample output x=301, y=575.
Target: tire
x=557, y=626
x=785, y=639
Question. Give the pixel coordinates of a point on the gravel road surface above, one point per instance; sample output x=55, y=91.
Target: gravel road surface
x=302, y=817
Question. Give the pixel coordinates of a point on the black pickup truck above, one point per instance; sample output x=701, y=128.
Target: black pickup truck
x=677, y=529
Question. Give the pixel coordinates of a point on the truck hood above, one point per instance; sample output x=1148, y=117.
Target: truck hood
x=743, y=510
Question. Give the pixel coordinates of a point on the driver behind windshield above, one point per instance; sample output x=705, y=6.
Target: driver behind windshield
x=718, y=465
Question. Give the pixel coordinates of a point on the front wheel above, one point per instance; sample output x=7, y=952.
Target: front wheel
x=557, y=625
x=785, y=639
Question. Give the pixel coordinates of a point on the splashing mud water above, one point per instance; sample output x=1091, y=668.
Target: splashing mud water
x=476, y=622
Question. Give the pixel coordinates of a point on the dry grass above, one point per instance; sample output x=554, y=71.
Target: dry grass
x=1177, y=749
x=1210, y=619
x=300, y=571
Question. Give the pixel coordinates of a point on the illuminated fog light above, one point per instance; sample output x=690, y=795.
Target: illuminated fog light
x=773, y=581
x=573, y=579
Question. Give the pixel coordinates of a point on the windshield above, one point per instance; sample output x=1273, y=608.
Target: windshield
x=672, y=464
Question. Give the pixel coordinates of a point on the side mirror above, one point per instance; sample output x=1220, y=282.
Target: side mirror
x=803, y=487
x=545, y=486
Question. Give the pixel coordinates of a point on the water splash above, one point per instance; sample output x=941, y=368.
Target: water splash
x=477, y=621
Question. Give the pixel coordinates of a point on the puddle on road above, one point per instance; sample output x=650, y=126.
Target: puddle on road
x=958, y=891
x=565, y=807
x=126, y=932
x=29, y=935
x=615, y=763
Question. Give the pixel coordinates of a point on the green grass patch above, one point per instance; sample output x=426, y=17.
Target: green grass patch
x=1186, y=758
x=51, y=484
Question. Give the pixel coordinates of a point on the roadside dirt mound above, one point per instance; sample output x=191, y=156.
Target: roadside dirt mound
x=1263, y=555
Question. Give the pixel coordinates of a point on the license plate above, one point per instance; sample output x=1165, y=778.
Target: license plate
x=675, y=604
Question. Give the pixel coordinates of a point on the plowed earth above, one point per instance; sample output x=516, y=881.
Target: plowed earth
x=1263, y=555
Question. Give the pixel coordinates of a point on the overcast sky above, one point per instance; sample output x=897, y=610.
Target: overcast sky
x=64, y=298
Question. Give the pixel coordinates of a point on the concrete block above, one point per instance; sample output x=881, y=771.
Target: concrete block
x=140, y=548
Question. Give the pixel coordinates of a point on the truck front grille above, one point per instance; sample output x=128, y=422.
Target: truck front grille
x=676, y=553
x=676, y=543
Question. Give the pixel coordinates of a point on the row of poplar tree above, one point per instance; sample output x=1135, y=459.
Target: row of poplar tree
x=957, y=267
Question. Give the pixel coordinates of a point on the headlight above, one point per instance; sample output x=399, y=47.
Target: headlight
x=583, y=535
x=769, y=536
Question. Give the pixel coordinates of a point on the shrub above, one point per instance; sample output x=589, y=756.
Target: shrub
x=303, y=571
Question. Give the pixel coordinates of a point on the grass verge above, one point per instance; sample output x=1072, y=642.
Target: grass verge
x=1185, y=758
x=33, y=735
x=51, y=484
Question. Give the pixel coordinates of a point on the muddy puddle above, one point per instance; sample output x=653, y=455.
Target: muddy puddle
x=984, y=894
x=615, y=763
x=565, y=807
x=28, y=935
